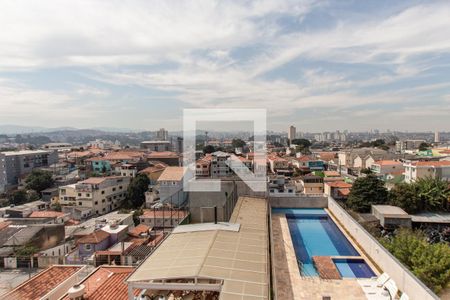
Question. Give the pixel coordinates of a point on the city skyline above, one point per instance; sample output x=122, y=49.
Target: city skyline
x=315, y=64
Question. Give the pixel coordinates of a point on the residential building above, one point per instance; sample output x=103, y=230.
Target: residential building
x=384, y=167
x=99, y=165
x=220, y=164
x=98, y=194
x=104, y=145
x=280, y=186
x=203, y=167
x=391, y=216
x=291, y=133
x=162, y=135
x=60, y=147
x=311, y=184
x=308, y=163
x=162, y=218
x=154, y=171
x=339, y=190
x=408, y=145
x=23, y=210
x=15, y=164
x=277, y=163
x=87, y=245
x=423, y=169
x=157, y=146
x=168, y=157
x=171, y=185
x=54, y=217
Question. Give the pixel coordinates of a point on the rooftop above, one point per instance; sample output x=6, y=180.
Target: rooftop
x=107, y=283
x=387, y=162
x=172, y=174
x=41, y=284
x=94, y=237
x=390, y=210
x=46, y=214
x=25, y=152
x=234, y=263
x=338, y=184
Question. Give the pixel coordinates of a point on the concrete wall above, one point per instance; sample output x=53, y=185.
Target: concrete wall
x=405, y=280
x=299, y=202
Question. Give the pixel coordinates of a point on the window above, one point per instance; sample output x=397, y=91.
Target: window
x=88, y=195
x=96, y=202
x=103, y=192
x=88, y=247
x=79, y=203
x=114, y=189
x=79, y=194
x=103, y=201
x=120, y=187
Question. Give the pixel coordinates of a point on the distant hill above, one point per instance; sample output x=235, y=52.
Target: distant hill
x=17, y=129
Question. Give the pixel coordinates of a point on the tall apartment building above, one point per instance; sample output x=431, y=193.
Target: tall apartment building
x=162, y=135
x=437, y=137
x=99, y=194
x=14, y=164
x=219, y=166
x=291, y=133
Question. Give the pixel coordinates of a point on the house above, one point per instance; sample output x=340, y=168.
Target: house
x=423, y=169
x=171, y=185
x=104, y=283
x=51, y=281
x=308, y=163
x=277, y=163
x=95, y=241
x=311, y=184
x=384, y=167
x=154, y=171
x=99, y=165
x=54, y=217
x=339, y=190
x=280, y=186
x=23, y=210
x=168, y=157
x=203, y=166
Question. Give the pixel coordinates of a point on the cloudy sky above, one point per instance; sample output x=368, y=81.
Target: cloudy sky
x=320, y=65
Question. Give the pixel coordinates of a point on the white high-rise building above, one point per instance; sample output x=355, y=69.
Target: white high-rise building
x=291, y=133
x=437, y=137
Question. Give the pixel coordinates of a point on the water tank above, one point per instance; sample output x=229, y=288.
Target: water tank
x=76, y=292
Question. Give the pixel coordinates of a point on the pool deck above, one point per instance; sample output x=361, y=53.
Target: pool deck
x=287, y=280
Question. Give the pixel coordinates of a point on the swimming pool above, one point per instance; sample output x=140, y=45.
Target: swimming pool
x=353, y=268
x=314, y=233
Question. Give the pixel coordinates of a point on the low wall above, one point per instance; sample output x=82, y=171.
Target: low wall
x=299, y=202
x=405, y=280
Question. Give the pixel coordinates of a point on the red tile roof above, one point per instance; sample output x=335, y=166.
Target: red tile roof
x=443, y=163
x=141, y=228
x=387, y=162
x=41, y=284
x=107, y=283
x=94, y=237
x=344, y=192
x=46, y=214
x=339, y=184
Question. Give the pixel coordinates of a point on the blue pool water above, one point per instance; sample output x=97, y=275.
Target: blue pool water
x=314, y=233
x=353, y=268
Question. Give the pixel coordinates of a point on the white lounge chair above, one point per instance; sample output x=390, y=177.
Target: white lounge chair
x=375, y=281
x=404, y=297
x=392, y=288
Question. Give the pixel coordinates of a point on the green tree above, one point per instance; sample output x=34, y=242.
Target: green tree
x=209, y=149
x=434, y=194
x=26, y=250
x=365, y=192
x=424, y=146
x=18, y=197
x=366, y=171
x=136, y=191
x=406, y=196
x=429, y=262
x=238, y=143
x=304, y=143
x=39, y=180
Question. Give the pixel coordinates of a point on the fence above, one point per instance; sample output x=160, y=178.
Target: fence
x=405, y=280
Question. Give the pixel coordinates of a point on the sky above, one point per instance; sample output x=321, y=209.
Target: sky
x=318, y=65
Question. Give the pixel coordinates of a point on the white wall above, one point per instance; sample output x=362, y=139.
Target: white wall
x=405, y=280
